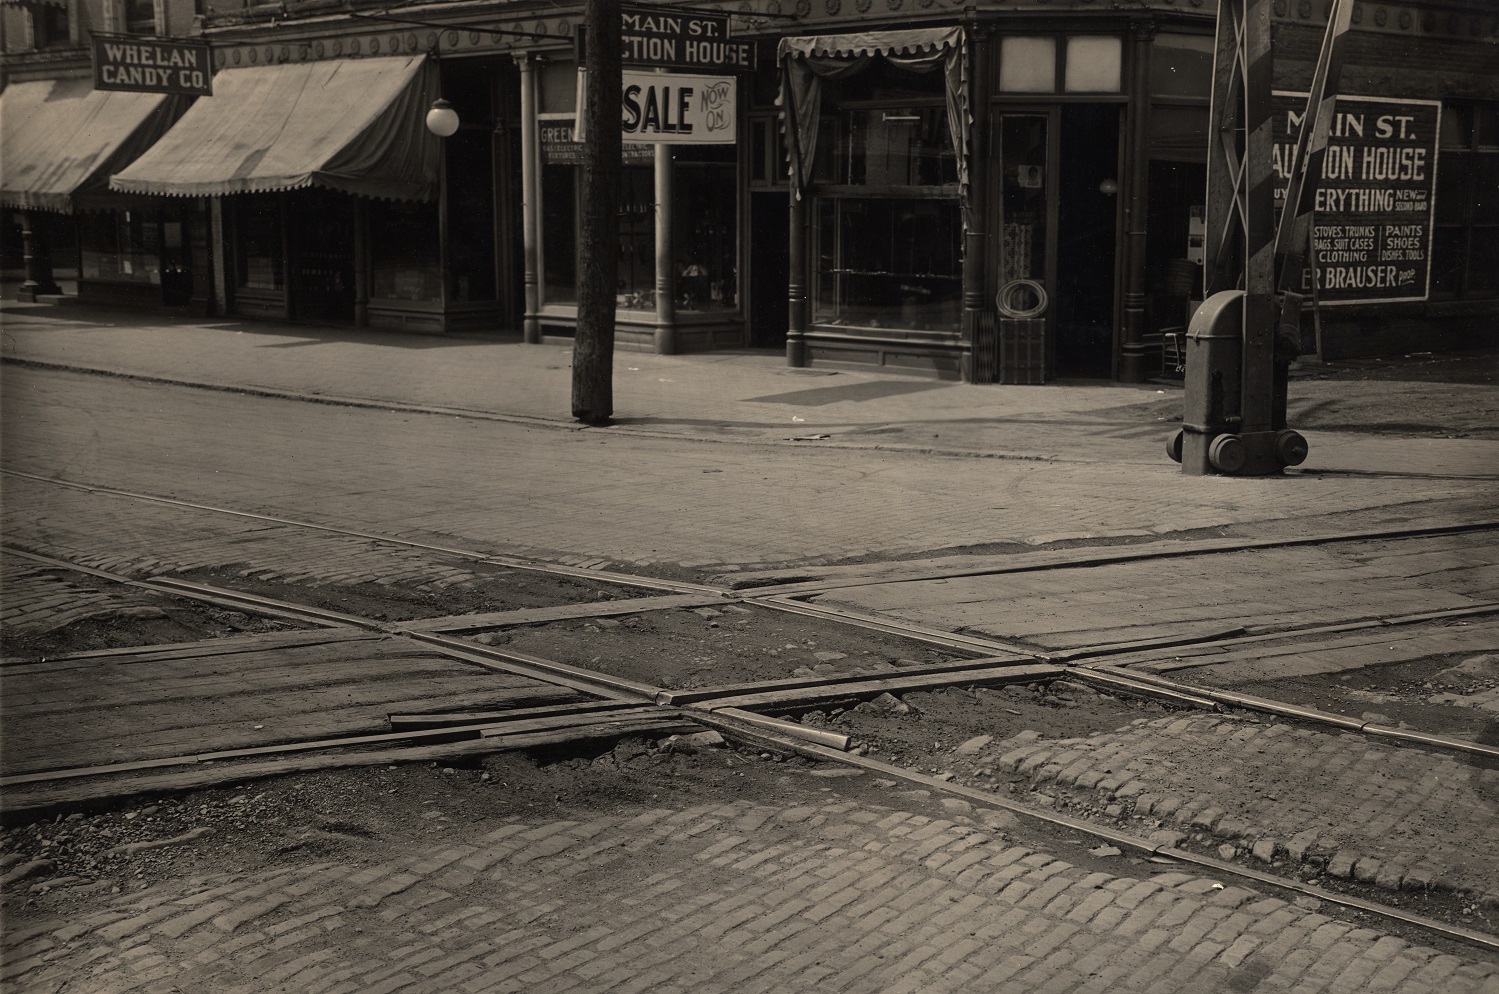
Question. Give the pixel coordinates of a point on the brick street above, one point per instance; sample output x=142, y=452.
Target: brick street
x=835, y=894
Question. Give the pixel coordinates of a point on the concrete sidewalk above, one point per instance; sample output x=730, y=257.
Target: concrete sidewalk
x=743, y=395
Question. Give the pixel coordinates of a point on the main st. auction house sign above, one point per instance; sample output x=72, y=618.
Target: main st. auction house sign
x=157, y=65
x=1372, y=219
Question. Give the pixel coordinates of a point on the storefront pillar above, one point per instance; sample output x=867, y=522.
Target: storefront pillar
x=530, y=169
x=1132, y=364
x=796, y=284
x=979, y=359
x=666, y=280
x=361, y=263
x=39, y=279
x=219, y=239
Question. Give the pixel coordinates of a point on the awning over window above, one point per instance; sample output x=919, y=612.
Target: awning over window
x=62, y=139
x=353, y=125
x=806, y=59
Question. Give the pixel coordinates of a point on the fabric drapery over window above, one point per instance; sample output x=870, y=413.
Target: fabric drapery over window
x=807, y=60
x=62, y=139
x=352, y=125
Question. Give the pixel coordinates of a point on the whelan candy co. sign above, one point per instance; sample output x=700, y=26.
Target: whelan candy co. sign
x=152, y=65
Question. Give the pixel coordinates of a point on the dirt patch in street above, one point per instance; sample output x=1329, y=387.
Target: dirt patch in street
x=710, y=646
x=170, y=620
x=493, y=588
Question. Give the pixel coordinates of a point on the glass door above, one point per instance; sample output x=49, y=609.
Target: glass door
x=1026, y=225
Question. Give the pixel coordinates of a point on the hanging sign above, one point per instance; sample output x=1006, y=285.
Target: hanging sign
x=154, y=65
x=1372, y=220
x=678, y=109
x=666, y=39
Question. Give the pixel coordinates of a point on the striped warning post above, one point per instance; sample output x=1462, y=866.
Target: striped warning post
x=1311, y=149
x=1260, y=311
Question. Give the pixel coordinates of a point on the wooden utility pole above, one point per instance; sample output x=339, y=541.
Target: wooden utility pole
x=598, y=256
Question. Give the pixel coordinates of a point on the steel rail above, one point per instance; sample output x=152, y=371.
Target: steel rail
x=618, y=688
x=1125, y=554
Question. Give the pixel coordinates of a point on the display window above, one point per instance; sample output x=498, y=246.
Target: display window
x=135, y=245
x=705, y=228
x=405, y=254
x=260, y=263
x=888, y=229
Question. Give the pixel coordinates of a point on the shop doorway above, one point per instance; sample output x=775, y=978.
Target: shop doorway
x=769, y=269
x=1088, y=204
x=1057, y=179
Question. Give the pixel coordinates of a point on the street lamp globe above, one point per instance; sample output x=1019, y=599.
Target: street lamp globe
x=442, y=119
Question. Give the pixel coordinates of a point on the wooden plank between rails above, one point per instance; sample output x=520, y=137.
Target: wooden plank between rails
x=871, y=688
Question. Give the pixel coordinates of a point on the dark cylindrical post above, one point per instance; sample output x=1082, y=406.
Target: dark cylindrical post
x=38, y=261
x=598, y=256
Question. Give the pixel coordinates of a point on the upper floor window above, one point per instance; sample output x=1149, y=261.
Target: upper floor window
x=140, y=17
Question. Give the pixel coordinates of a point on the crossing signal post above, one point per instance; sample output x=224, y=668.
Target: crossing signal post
x=1244, y=337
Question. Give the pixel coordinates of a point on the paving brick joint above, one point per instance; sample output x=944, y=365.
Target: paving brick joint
x=841, y=896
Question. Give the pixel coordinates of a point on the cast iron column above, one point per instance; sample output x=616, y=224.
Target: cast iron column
x=978, y=352
x=530, y=202
x=796, y=284
x=38, y=261
x=666, y=281
x=1132, y=365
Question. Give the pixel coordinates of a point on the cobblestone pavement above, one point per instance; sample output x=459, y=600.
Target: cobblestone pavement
x=837, y=896
x=1376, y=813
x=44, y=598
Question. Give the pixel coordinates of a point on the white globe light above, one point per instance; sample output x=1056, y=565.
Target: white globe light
x=442, y=119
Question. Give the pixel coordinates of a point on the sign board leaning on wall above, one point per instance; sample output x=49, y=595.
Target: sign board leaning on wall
x=1371, y=230
x=154, y=65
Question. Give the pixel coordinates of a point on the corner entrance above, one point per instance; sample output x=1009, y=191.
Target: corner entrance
x=1057, y=224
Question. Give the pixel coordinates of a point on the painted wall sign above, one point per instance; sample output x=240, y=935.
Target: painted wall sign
x=1371, y=230
x=559, y=149
x=651, y=36
x=152, y=66
x=679, y=109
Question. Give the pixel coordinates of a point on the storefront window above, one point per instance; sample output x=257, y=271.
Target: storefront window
x=704, y=229
x=888, y=222
x=888, y=263
x=405, y=258
x=636, y=287
x=906, y=146
x=260, y=263
x=1466, y=235
x=471, y=235
x=124, y=246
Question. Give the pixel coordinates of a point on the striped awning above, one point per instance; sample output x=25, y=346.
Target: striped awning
x=62, y=139
x=352, y=125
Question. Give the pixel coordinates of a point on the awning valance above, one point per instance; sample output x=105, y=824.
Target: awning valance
x=353, y=125
x=62, y=139
x=874, y=43
x=806, y=59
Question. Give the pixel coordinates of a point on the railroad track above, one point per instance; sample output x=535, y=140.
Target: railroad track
x=612, y=706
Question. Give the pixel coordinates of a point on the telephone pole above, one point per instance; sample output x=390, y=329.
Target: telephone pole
x=598, y=257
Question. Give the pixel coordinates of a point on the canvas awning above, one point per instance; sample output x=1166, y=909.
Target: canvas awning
x=62, y=139
x=353, y=125
x=806, y=59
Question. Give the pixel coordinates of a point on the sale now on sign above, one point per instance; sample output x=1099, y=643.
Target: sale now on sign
x=678, y=109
